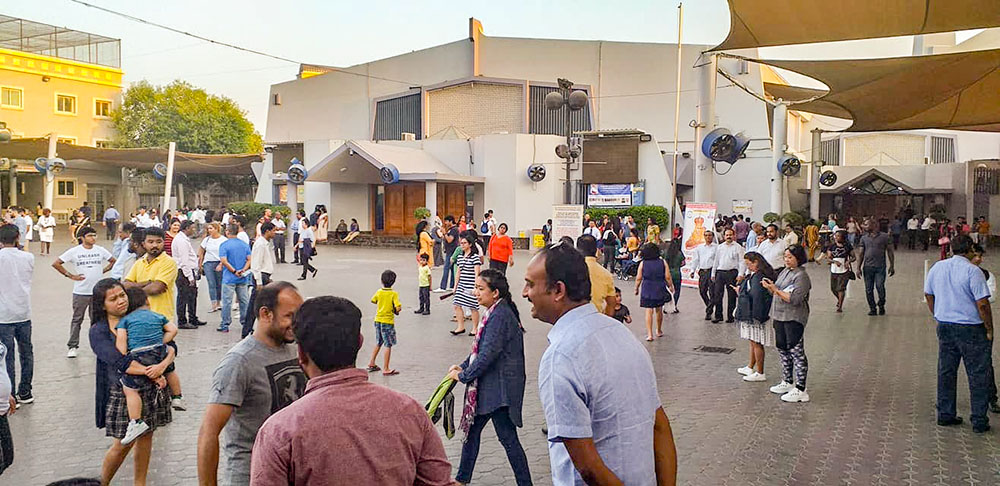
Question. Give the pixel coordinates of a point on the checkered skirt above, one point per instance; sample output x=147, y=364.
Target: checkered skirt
x=156, y=411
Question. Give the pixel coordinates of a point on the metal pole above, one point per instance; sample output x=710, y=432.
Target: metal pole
x=568, y=194
x=170, y=175
x=817, y=141
x=49, y=180
x=779, y=137
x=677, y=116
x=13, y=183
x=704, y=183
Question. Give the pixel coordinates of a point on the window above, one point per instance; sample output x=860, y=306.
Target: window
x=66, y=188
x=69, y=140
x=12, y=97
x=66, y=104
x=942, y=150
x=102, y=108
x=102, y=143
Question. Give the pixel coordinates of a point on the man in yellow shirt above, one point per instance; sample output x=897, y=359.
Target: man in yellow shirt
x=602, y=283
x=155, y=274
x=388, y=307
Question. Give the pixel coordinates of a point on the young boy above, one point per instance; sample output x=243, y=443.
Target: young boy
x=621, y=310
x=141, y=335
x=424, y=277
x=388, y=304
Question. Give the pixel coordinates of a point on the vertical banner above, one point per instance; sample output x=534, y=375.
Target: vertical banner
x=698, y=217
x=567, y=220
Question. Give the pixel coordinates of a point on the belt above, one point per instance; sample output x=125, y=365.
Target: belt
x=730, y=270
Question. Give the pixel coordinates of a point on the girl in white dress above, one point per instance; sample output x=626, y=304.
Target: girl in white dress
x=46, y=230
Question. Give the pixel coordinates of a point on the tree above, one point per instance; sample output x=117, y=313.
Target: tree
x=199, y=122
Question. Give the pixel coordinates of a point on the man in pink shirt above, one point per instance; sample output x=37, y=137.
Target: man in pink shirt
x=345, y=430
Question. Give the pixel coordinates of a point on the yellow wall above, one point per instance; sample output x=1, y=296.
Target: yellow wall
x=38, y=117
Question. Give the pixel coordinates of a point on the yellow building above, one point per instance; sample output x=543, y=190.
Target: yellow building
x=62, y=81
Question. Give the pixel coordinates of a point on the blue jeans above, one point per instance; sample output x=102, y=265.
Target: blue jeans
x=19, y=332
x=956, y=343
x=242, y=293
x=507, y=433
x=874, y=280
x=214, y=279
x=447, y=283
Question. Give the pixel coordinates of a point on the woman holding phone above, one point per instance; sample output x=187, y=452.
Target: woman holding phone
x=752, y=313
x=790, y=312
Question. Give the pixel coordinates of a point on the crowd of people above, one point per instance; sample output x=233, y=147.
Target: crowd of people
x=298, y=358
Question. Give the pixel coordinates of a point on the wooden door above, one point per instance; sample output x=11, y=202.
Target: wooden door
x=393, y=208
x=451, y=200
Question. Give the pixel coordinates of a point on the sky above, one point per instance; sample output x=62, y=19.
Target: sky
x=343, y=33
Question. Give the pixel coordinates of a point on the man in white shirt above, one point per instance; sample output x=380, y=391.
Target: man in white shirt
x=198, y=216
x=142, y=220
x=279, y=238
x=261, y=267
x=15, y=311
x=912, y=228
x=91, y=262
x=925, y=230
x=791, y=238
x=187, y=277
x=703, y=264
x=772, y=248
x=728, y=266
x=242, y=235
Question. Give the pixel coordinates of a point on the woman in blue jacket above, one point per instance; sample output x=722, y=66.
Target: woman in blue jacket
x=494, y=378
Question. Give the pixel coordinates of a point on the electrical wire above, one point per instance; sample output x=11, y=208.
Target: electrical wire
x=226, y=44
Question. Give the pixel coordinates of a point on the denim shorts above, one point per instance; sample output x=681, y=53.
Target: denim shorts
x=385, y=334
x=147, y=356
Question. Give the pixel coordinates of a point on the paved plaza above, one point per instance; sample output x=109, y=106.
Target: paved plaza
x=871, y=380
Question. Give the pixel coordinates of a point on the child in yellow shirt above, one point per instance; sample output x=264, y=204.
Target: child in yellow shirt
x=424, y=279
x=388, y=307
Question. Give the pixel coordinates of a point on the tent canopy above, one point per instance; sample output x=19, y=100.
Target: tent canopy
x=958, y=91
x=761, y=23
x=136, y=158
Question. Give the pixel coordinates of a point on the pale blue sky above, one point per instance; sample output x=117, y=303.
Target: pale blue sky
x=343, y=33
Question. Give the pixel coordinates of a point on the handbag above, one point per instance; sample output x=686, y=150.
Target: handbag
x=944, y=240
x=851, y=275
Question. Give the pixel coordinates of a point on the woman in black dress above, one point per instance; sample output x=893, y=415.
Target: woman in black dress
x=110, y=304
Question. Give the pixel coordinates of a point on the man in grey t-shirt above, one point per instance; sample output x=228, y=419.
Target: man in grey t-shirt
x=256, y=378
x=874, y=248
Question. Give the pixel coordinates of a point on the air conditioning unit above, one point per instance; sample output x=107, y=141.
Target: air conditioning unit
x=408, y=136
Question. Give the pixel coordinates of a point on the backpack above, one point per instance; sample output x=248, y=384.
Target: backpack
x=485, y=227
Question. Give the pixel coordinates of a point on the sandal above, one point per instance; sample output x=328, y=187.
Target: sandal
x=390, y=373
x=374, y=368
x=457, y=333
x=649, y=339
x=659, y=333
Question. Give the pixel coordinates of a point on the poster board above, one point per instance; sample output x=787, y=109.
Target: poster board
x=742, y=206
x=609, y=195
x=697, y=218
x=567, y=220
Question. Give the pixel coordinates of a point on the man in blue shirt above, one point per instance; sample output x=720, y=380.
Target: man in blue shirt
x=958, y=297
x=234, y=256
x=596, y=383
x=111, y=218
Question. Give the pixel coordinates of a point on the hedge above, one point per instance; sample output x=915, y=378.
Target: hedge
x=640, y=214
x=254, y=210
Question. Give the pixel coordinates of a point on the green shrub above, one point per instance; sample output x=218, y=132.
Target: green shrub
x=794, y=219
x=421, y=213
x=771, y=217
x=254, y=210
x=640, y=214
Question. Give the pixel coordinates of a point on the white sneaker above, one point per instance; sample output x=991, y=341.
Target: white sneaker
x=71, y=353
x=438, y=291
x=178, y=404
x=782, y=388
x=746, y=370
x=755, y=376
x=795, y=395
x=135, y=429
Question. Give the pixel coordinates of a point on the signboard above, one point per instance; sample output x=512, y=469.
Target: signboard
x=609, y=195
x=742, y=206
x=567, y=220
x=698, y=217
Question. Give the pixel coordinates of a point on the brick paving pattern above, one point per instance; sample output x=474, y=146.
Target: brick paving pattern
x=872, y=383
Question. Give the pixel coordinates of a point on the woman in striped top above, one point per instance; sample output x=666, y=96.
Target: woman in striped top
x=468, y=264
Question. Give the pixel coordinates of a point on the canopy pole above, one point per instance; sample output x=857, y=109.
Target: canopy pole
x=817, y=167
x=170, y=175
x=779, y=135
x=704, y=183
x=49, y=179
x=677, y=116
